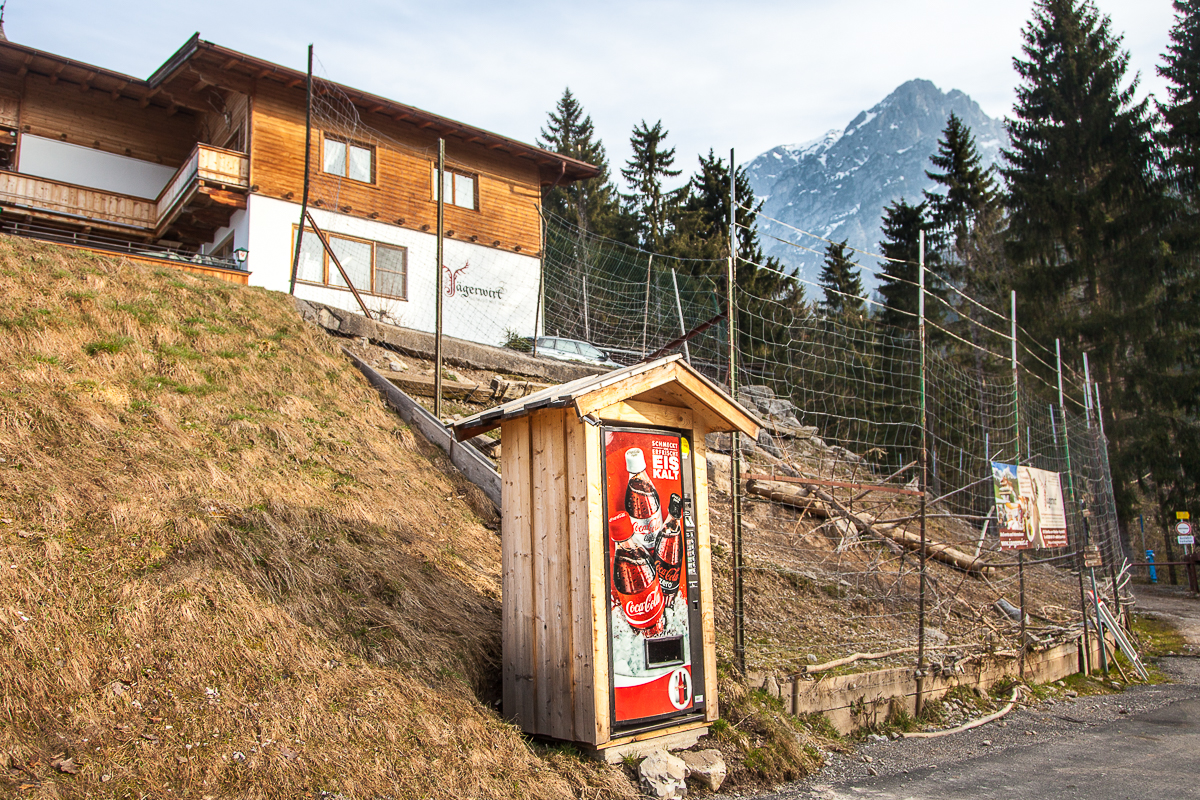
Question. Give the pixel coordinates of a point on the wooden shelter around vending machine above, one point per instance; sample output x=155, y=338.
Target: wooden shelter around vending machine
x=608, y=629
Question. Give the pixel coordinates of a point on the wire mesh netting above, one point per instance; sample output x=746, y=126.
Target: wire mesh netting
x=842, y=398
x=832, y=486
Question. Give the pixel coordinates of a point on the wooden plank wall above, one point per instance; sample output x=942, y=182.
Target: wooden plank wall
x=704, y=556
x=93, y=119
x=509, y=187
x=67, y=198
x=517, y=592
x=554, y=612
x=217, y=127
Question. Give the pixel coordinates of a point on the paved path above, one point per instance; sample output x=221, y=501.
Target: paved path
x=1141, y=743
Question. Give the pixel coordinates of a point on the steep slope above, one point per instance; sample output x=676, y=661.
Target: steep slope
x=837, y=185
x=228, y=571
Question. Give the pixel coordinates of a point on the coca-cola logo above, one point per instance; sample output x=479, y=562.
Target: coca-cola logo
x=645, y=526
x=647, y=609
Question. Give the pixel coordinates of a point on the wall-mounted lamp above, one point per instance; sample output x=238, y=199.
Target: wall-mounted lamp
x=241, y=254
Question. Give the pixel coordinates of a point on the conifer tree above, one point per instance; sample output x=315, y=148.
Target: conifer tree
x=969, y=195
x=899, y=287
x=591, y=204
x=645, y=170
x=1182, y=114
x=841, y=282
x=1085, y=209
x=1168, y=405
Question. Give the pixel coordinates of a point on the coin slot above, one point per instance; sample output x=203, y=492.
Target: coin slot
x=666, y=651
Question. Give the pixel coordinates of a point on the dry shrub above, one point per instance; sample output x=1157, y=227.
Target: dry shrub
x=762, y=744
x=227, y=569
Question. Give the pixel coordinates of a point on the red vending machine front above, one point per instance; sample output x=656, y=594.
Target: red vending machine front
x=655, y=639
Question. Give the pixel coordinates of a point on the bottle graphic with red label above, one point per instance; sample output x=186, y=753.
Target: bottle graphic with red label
x=637, y=589
x=668, y=552
x=641, y=498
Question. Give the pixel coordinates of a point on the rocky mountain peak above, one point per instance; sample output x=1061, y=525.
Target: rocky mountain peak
x=836, y=186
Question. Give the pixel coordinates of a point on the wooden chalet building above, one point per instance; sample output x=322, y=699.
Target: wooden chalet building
x=206, y=158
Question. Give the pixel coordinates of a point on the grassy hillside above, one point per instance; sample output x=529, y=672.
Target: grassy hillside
x=227, y=570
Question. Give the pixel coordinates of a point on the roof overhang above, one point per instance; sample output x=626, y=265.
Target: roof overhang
x=668, y=381
x=191, y=77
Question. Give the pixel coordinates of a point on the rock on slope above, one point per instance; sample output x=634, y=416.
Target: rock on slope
x=836, y=186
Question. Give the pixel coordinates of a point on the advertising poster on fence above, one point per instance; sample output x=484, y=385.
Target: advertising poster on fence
x=651, y=650
x=1029, y=507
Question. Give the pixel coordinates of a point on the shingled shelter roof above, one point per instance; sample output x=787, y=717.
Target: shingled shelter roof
x=668, y=381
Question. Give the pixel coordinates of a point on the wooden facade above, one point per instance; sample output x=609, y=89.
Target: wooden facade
x=232, y=126
x=556, y=674
x=402, y=191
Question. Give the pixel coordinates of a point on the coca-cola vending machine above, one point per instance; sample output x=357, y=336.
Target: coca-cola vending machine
x=655, y=639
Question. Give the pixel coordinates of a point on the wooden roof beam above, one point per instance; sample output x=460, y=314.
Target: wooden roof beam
x=58, y=71
x=116, y=92
x=148, y=96
x=230, y=63
x=25, y=65
x=87, y=82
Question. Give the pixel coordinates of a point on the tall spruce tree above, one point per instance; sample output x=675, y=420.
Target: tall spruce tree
x=969, y=194
x=645, y=170
x=902, y=226
x=1085, y=208
x=593, y=204
x=1181, y=115
x=841, y=282
x=1169, y=405
x=769, y=300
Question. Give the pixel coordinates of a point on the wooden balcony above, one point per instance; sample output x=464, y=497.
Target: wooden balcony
x=199, y=199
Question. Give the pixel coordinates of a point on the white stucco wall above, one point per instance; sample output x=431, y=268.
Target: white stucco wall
x=83, y=166
x=494, y=291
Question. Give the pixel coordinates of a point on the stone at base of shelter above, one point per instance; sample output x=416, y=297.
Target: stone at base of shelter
x=663, y=776
x=706, y=767
x=681, y=740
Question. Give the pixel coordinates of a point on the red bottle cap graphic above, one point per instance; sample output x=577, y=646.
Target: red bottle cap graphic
x=620, y=528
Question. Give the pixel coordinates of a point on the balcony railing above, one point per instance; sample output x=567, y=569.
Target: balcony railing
x=212, y=165
x=95, y=241
x=226, y=169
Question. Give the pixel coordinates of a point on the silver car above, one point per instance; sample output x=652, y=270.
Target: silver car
x=573, y=350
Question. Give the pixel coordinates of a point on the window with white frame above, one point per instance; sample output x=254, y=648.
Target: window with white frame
x=348, y=159
x=373, y=267
x=460, y=188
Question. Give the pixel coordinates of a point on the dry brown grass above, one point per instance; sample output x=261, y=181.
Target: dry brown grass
x=227, y=570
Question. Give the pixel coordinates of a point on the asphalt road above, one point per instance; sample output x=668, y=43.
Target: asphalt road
x=1143, y=742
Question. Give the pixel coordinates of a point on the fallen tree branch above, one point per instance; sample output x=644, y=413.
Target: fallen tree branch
x=841, y=662
x=972, y=724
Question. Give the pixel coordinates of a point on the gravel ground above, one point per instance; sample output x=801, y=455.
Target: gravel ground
x=1030, y=726
x=1033, y=725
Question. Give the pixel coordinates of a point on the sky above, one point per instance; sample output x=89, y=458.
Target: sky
x=746, y=75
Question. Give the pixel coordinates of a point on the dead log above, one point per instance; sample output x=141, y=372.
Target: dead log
x=789, y=496
x=830, y=507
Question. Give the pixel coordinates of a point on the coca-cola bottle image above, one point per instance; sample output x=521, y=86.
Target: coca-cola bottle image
x=668, y=552
x=637, y=589
x=641, y=498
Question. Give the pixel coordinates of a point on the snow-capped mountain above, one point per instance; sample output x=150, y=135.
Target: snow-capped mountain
x=836, y=186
